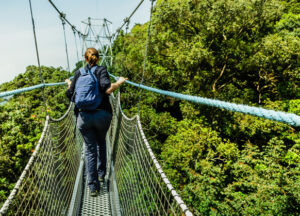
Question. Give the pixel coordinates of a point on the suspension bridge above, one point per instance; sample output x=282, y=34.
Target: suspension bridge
x=54, y=180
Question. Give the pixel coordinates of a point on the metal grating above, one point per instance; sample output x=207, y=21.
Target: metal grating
x=99, y=205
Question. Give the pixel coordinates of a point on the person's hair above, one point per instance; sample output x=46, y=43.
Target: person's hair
x=91, y=56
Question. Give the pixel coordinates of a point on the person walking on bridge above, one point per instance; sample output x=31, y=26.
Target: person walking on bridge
x=90, y=91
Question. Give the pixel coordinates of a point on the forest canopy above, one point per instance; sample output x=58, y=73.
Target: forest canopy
x=220, y=162
x=22, y=119
x=241, y=51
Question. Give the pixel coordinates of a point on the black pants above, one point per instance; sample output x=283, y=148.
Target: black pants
x=93, y=127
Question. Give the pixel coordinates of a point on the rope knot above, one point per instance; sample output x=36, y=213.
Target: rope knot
x=74, y=29
x=62, y=16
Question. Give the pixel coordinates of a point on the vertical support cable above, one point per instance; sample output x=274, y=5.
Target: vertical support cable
x=74, y=32
x=38, y=58
x=108, y=35
x=62, y=16
x=80, y=36
x=124, y=43
x=146, y=53
x=82, y=50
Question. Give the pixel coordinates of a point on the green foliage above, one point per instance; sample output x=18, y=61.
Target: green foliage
x=22, y=118
x=289, y=24
x=222, y=163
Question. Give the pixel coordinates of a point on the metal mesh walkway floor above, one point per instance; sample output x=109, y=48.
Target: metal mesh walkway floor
x=99, y=205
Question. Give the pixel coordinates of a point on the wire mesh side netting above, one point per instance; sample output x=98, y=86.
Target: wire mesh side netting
x=142, y=187
x=47, y=182
x=137, y=184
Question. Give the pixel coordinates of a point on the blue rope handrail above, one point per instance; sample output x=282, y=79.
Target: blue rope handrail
x=18, y=91
x=288, y=118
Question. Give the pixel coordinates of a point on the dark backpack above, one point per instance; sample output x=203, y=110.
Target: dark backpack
x=87, y=93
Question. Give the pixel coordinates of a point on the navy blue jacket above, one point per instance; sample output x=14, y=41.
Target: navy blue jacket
x=104, y=83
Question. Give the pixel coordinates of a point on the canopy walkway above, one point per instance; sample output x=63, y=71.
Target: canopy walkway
x=54, y=180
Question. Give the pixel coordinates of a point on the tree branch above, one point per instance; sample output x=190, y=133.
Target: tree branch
x=220, y=75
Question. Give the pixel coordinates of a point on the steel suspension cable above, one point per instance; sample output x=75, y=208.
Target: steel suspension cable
x=66, y=45
x=74, y=32
x=128, y=18
x=82, y=49
x=124, y=42
x=38, y=57
x=66, y=20
x=146, y=53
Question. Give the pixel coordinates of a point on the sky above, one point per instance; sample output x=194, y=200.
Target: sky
x=17, y=49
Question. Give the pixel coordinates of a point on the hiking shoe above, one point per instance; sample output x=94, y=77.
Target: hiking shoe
x=94, y=193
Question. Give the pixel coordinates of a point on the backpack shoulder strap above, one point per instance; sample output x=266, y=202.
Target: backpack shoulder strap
x=91, y=72
x=82, y=71
x=93, y=69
